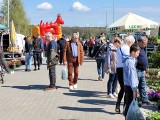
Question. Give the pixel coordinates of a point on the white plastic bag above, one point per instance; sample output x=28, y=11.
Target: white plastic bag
x=134, y=112
x=64, y=73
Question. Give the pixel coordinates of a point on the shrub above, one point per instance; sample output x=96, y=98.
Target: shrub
x=154, y=59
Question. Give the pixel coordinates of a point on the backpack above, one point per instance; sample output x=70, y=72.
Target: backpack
x=96, y=50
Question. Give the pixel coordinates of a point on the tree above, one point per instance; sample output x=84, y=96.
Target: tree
x=84, y=32
x=17, y=14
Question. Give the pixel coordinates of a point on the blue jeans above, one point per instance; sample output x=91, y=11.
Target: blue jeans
x=28, y=60
x=100, y=67
x=142, y=85
x=112, y=83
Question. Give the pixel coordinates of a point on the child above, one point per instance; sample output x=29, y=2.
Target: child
x=111, y=63
x=130, y=76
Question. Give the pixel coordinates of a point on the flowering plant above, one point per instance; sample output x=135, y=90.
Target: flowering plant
x=154, y=95
x=14, y=63
x=153, y=115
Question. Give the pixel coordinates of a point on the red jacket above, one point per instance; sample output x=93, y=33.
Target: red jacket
x=91, y=42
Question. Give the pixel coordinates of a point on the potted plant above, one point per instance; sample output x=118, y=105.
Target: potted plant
x=153, y=116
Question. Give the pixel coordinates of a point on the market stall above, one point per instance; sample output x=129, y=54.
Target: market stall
x=132, y=23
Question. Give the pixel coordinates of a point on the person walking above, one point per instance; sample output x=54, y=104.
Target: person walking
x=91, y=44
x=99, y=53
x=28, y=53
x=37, y=49
x=42, y=47
x=142, y=65
x=61, y=44
x=122, y=53
x=4, y=64
x=73, y=57
x=85, y=47
x=51, y=50
x=130, y=77
x=111, y=65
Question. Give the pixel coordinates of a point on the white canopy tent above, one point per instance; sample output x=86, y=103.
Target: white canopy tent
x=132, y=23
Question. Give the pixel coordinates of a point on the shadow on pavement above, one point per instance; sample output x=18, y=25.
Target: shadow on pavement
x=82, y=109
x=149, y=107
x=33, y=87
x=83, y=93
x=85, y=109
x=29, y=87
x=97, y=102
x=87, y=79
x=59, y=87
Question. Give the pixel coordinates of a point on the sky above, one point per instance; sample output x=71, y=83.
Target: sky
x=89, y=13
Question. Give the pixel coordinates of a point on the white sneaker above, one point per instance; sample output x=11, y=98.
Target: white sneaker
x=111, y=96
x=75, y=86
x=12, y=72
x=71, y=87
x=115, y=95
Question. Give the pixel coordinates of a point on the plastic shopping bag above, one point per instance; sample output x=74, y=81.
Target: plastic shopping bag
x=64, y=73
x=134, y=112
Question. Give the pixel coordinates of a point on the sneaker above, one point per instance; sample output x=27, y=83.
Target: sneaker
x=71, y=87
x=12, y=72
x=111, y=96
x=35, y=69
x=75, y=86
x=115, y=95
x=100, y=78
x=50, y=88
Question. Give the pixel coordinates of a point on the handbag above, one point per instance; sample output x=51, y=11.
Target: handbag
x=53, y=59
x=64, y=73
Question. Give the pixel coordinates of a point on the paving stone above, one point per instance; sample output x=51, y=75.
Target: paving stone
x=22, y=96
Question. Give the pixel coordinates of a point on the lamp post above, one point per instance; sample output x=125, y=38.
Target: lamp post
x=8, y=14
x=106, y=18
x=107, y=15
x=113, y=11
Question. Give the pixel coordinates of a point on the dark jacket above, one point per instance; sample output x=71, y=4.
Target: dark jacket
x=28, y=47
x=37, y=45
x=61, y=44
x=142, y=60
x=99, y=50
x=51, y=51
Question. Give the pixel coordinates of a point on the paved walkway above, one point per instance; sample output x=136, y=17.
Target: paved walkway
x=22, y=96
